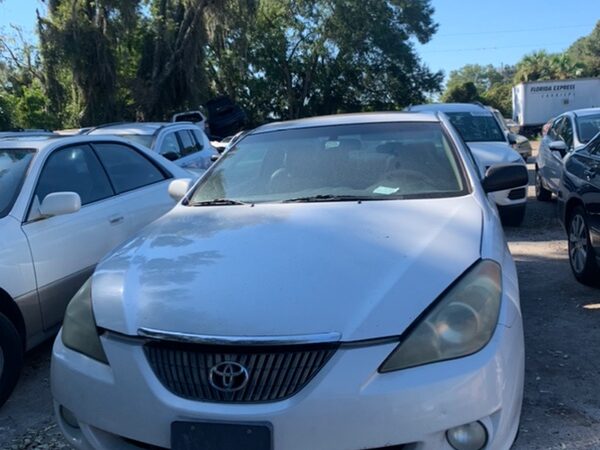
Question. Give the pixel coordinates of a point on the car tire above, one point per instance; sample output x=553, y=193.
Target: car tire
x=541, y=193
x=513, y=216
x=11, y=357
x=582, y=257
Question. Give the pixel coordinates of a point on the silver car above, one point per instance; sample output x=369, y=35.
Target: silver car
x=568, y=132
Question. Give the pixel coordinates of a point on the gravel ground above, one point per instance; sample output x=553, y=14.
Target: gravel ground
x=561, y=409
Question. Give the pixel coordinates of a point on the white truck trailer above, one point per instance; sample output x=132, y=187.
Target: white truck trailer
x=537, y=102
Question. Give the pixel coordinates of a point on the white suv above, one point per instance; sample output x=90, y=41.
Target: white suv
x=490, y=146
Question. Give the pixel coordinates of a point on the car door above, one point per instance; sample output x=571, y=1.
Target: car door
x=168, y=146
x=553, y=159
x=66, y=248
x=544, y=158
x=196, y=151
x=590, y=157
x=141, y=185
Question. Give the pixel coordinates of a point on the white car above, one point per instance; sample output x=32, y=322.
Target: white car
x=489, y=145
x=568, y=132
x=64, y=204
x=184, y=143
x=331, y=283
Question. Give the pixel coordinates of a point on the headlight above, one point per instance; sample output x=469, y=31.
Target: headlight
x=460, y=324
x=79, y=330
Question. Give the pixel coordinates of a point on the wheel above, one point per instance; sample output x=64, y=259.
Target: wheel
x=541, y=193
x=513, y=216
x=11, y=357
x=581, y=253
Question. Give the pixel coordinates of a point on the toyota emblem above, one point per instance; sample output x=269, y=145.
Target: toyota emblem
x=228, y=376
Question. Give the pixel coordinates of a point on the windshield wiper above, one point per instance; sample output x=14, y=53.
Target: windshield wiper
x=327, y=198
x=218, y=202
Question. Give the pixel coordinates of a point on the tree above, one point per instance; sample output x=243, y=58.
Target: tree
x=544, y=66
x=587, y=51
x=307, y=57
x=462, y=93
x=500, y=97
x=483, y=77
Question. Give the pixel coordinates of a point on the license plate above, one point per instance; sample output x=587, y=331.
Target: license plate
x=220, y=436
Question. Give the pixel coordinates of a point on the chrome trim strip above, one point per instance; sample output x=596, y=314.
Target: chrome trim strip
x=298, y=339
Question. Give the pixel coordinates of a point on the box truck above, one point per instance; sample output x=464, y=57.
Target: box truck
x=537, y=102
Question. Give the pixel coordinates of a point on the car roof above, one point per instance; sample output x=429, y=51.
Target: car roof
x=451, y=107
x=141, y=128
x=129, y=128
x=43, y=144
x=585, y=112
x=346, y=119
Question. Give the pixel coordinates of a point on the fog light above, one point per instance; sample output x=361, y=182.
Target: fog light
x=472, y=436
x=69, y=417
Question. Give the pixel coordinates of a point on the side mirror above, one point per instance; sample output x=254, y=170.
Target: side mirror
x=178, y=188
x=512, y=138
x=505, y=176
x=214, y=158
x=60, y=203
x=171, y=156
x=558, y=146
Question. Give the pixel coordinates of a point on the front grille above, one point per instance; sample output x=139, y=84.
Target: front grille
x=516, y=194
x=273, y=373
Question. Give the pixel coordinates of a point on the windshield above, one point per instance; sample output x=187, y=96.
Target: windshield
x=476, y=127
x=143, y=139
x=336, y=163
x=501, y=120
x=588, y=127
x=13, y=166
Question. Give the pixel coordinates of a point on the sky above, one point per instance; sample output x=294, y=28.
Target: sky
x=470, y=31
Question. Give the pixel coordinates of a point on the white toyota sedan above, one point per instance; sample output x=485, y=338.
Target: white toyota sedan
x=332, y=283
x=64, y=204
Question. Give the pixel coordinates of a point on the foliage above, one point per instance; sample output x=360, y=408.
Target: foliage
x=587, y=51
x=465, y=92
x=107, y=60
x=547, y=66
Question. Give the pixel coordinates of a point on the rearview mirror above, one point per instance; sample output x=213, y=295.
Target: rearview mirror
x=60, y=203
x=505, y=176
x=558, y=146
x=178, y=188
x=512, y=138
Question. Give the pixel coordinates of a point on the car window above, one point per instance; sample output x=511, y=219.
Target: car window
x=143, y=139
x=126, y=167
x=588, y=127
x=554, y=131
x=477, y=126
x=594, y=148
x=74, y=169
x=169, y=147
x=378, y=161
x=13, y=167
x=188, y=143
x=199, y=135
x=566, y=132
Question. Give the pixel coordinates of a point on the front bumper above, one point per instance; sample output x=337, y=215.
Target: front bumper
x=348, y=405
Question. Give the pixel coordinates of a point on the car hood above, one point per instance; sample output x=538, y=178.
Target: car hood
x=490, y=153
x=362, y=270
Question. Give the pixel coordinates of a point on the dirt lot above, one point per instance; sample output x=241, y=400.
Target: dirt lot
x=561, y=408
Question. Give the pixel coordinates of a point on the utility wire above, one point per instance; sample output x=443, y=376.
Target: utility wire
x=522, y=30
x=477, y=49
